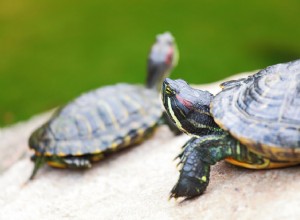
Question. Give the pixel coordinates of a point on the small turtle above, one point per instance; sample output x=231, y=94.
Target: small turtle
x=253, y=122
x=107, y=119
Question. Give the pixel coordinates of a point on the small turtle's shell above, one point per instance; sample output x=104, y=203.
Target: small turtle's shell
x=103, y=120
x=263, y=111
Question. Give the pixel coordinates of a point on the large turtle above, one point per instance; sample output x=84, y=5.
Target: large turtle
x=253, y=122
x=107, y=119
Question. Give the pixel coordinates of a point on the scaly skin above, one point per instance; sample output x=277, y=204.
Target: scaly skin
x=189, y=109
x=200, y=153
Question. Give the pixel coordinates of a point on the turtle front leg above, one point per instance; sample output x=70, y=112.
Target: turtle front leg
x=197, y=157
x=194, y=174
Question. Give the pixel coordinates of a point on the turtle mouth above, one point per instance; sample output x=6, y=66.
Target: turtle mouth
x=167, y=93
x=168, y=89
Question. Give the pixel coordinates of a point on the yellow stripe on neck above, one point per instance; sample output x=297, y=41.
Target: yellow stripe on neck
x=177, y=122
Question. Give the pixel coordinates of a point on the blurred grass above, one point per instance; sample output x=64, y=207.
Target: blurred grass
x=51, y=51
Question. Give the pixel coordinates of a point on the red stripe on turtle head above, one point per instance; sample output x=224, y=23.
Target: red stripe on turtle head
x=169, y=57
x=185, y=102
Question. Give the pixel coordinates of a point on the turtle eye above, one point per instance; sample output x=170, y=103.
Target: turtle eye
x=169, y=91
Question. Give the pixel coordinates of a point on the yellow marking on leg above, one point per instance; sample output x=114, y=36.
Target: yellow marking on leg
x=203, y=178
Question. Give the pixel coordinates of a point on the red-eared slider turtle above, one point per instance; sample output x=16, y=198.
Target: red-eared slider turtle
x=107, y=119
x=253, y=122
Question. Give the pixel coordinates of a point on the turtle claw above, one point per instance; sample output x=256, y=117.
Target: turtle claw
x=187, y=188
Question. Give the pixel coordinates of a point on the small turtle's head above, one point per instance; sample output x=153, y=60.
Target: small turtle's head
x=162, y=59
x=39, y=139
x=188, y=107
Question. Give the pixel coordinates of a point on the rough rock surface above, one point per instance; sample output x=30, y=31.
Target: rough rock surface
x=135, y=185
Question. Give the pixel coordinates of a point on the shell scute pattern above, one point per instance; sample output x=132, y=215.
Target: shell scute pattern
x=263, y=109
x=75, y=130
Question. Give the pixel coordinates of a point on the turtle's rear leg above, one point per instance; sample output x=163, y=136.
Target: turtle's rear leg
x=39, y=161
x=72, y=162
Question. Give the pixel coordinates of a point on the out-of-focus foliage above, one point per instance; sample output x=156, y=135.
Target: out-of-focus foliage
x=51, y=51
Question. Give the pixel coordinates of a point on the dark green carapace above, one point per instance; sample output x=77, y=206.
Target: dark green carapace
x=253, y=123
x=107, y=119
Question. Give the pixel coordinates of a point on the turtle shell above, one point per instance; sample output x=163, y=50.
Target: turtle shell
x=263, y=111
x=102, y=120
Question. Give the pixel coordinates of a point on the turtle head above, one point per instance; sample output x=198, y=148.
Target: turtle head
x=188, y=108
x=162, y=59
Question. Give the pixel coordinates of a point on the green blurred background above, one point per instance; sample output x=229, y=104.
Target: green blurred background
x=51, y=51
